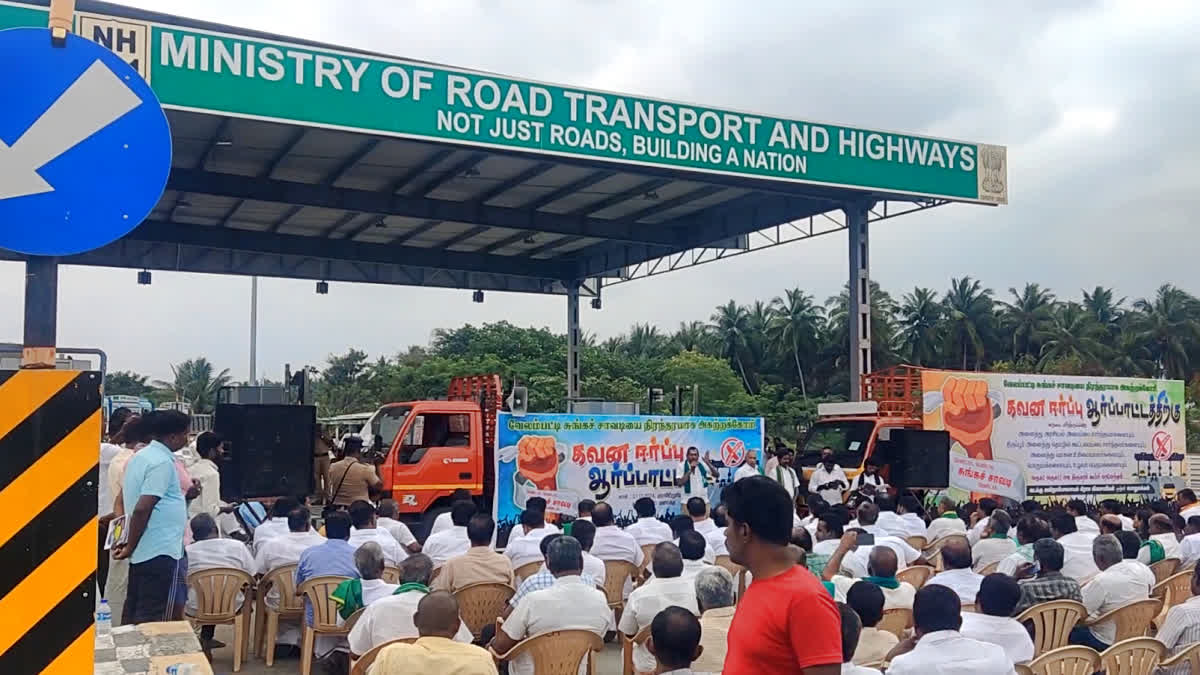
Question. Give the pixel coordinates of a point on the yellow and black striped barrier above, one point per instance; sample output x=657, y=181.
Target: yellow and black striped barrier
x=49, y=452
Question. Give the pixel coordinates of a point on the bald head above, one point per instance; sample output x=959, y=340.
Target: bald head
x=868, y=513
x=956, y=553
x=437, y=615
x=882, y=562
x=1161, y=524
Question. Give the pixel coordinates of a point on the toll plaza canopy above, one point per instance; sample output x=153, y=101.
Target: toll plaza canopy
x=304, y=160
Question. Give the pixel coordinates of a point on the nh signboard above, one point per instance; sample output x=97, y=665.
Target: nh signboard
x=227, y=74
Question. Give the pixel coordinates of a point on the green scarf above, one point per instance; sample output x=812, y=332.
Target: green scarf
x=348, y=597
x=705, y=478
x=1157, y=552
x=411, y=586
x=883, y=582
x=829, y=587
x=951, y=515
x=997, y=535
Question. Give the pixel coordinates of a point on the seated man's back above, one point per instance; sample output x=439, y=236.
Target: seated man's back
x=480, y=564
x=438, y=649
x=941, y=649
x=667, y=588
x=392, y=617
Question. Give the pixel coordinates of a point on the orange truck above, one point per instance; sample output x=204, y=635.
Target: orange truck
x=429, y=449
x=1010, y=435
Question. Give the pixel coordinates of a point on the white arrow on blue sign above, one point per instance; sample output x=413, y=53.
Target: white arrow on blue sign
x=85, y=149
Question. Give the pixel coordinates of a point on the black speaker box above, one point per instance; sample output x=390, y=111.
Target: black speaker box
x=269, y=450
x=919, y=459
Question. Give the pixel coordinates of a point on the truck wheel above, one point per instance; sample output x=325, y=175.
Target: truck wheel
x=428, y=518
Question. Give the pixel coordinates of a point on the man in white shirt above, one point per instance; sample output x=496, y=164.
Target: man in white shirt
x=980, y=519
x=208, y=551
x=995, y=544
x=285, y=550
x=697, y=509
x=385, y=519
x=277, y=524
x=665, y=589
x=881, y=571
x=993, y=621
x=868, y=520
x=569, y=603
x=584, y=532
x=958, y=575
x=828, y=479
x=369, y=562
x=938, y=648
x=1182, y=626
x=889, y=521
x=692, y=547
x=829, y=534
x=851, y=629
x=1112, y=507
x=443, y=522
x=1188, y=506
x=391, y=617
x=648, y=529
x=695, y=474
x=785, y=475
x=1030, y=528
x=613, y=543
x=909, y=510
x=869, y=483
x=585, y=509
x=1078, y=562
x=748, y=467
x=1083, y=522
x=527, y=549
x=453, y=542
x=210, y=449
x=1189, y=546
x=1162, y=532
x=362, y=515
x=946, y=523
x=1118, y=583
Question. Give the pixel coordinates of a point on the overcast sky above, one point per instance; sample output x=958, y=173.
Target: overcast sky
x=1096, y=101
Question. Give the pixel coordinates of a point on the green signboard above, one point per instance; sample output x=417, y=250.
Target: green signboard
x=227, y=74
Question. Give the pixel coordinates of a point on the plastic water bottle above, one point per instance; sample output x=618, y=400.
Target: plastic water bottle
x=104, y=616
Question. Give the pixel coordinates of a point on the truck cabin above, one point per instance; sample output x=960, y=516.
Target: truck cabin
x=854, y=431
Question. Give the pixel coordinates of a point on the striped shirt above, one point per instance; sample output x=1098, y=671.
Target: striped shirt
x=1047, y=587
x=1180, y=629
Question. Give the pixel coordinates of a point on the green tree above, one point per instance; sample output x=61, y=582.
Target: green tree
x=1027, y=317
x=196, y=382
x=646, y=342
x=1104, y=309
x=731, y=326
x=919, y=320
x=716, y=379
x=1073, y=334
x=127, y=383
x=1169, y=324
x=692, y=336
x=796, y=322
x=968, y=307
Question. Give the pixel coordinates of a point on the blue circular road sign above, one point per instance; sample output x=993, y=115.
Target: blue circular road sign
x=85, y=149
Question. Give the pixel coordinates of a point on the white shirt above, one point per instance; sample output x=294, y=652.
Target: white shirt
x=269, y=529
x=613, y=543
x=825, y=546
x=104, y=493
x=947, y=652
x=905, y=554
x=1116, y=586
x=284, y=550
x=393, y=555
x=205, y=472
x=714, y=539
x=376, y=589
x=1192, y=510
x=1180, y=629
x=893, y=598
x=1126, y=522
x=1170, y=547
x=1003, y=631
x=892, y=524
x=820, y=476
x=213, y=553
x=943, y=527
x=1078, y=562
x=452, y=543
x=691, y=568
x=593, y=567
x=1012, y=562
x=745, y=471
x=569, y=603
x=786, y=476
x=649, y=530
x=851, y=669
x=976, y=531
x=645, y=602
x=863, y=478
x=1085, y=524
x=442, y=522
x=398, y=530
x=991, y=550
x=914, y=525
x=390, y=618
x=1189, y=549
x=963, y=582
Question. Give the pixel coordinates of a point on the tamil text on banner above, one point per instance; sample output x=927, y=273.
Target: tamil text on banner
x=1051, y=436
x=613, y=458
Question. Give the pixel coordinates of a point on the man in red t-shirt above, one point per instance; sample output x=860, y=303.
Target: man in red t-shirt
x=786, y=622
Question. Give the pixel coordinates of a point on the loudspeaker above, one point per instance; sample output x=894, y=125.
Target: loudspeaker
x=918, y=459
x=268, y=451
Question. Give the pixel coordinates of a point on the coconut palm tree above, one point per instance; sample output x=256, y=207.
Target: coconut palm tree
x=1027, y=317
x=731, y=327
x=1106, y=311
x=646, y=342
x=968, y=307
x=692, y=336
x=1072, y=332
x=195, y=382
x=1170, y=325
x=796, y=322
x=919, y=319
